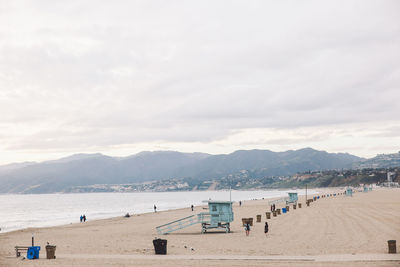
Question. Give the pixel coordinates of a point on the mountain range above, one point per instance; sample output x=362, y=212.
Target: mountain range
x=88, y=169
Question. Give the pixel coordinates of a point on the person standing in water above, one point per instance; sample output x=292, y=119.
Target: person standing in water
x=266, y=228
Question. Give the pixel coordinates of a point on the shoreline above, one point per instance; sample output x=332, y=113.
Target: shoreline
x=315, y=190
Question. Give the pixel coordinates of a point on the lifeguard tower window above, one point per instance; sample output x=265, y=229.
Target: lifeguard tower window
x=214, y=208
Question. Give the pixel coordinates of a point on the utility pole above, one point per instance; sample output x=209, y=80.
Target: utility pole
x=306, y=193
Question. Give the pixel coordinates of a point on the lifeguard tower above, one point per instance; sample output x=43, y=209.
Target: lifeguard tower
x=349, y=192
x=220, y=215
x=292, y=198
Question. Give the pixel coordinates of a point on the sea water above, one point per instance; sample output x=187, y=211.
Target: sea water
x=41, y=210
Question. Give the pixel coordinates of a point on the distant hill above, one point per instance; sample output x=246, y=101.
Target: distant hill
x=88, y=169
x=380, y=161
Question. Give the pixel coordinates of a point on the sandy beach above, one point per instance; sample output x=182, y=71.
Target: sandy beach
x=334, y=231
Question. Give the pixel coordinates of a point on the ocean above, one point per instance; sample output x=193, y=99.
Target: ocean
x=42, y=210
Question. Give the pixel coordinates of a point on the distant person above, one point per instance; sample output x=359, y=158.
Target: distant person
x=240, y=203
x=266, y=228
x=274, y=207
x=192, y=207
x=247, y=229
x=84, y=218
x=81, y=218
x=155, y=208
x=271, y=208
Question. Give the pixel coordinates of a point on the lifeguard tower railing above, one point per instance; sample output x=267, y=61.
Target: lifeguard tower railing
x=292, y=198
x=203, y=217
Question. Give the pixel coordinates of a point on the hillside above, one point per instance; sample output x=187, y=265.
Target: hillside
x=89, y=169
x=380, y=161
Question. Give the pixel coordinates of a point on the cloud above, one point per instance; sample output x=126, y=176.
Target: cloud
x=90, y=75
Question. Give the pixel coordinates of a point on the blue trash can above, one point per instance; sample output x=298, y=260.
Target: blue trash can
x=33, y=252
x=283, y=210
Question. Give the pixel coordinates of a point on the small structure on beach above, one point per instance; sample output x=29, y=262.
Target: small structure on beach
x=349, y=192
x=292, y=198
x=220, y=215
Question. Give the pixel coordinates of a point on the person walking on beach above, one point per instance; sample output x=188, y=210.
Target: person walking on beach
x=266, y=228
x=247, y=229
x=240, y=203
x=81, y=218
x=84, y=218
x=192, y=207
x=155, y=208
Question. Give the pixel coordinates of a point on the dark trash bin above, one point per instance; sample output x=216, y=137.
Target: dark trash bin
x=392, y=246
x=160, y=246
x=50, y=252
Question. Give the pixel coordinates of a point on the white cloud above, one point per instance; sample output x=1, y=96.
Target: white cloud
x=82, y=76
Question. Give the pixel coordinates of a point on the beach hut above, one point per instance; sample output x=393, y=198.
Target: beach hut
x=349, y=192
x=292, y=198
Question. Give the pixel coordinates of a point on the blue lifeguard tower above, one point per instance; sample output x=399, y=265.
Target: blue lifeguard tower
x=349, y=192
x=293, y=198
x=220, y=215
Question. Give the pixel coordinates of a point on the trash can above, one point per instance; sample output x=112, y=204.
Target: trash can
x=274, y=213
x=160, y=246
x=258, y=218
x=283, y=210
x=287, y=208
x=392, y=246
x=299, y=205
x=50, y=252
x=268, y=214
x=278, y=211
x=294, y=206
x=250, y=220
x=33, y=252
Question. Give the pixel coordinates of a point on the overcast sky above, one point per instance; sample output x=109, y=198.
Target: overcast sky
x=119, y=77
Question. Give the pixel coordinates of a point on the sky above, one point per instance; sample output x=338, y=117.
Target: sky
x=120, y=77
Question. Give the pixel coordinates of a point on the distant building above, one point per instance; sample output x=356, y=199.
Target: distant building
x=390, y=176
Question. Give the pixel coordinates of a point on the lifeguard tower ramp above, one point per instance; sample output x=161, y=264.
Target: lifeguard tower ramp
x=292, y=198
x=220, y=215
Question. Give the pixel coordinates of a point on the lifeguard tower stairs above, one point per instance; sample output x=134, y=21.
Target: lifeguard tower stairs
x=220, y=215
